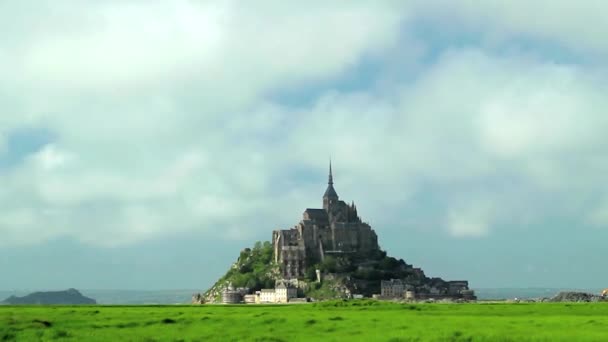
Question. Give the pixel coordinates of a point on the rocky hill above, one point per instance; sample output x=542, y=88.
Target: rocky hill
x=67, y=297
x=337, y=242
x=341, y=276
x=253, y=269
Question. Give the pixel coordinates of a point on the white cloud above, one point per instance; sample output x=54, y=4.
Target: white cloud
x=577, y=25
x=472, y=220
x=154, y=107
x=127, y=47
x=519, y=130
x=164, y=125
x=49, y=158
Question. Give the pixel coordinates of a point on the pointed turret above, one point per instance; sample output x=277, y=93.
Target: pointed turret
x=330, y=195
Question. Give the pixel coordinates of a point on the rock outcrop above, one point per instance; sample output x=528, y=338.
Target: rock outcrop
x=575, y=297
x=198, y=298
x=253, y=269
x=67, y=297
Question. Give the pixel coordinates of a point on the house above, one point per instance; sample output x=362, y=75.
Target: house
x=284, y=292
x=267, y=296
x=393, y=288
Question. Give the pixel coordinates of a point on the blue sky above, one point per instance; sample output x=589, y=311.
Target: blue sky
x=143, y=145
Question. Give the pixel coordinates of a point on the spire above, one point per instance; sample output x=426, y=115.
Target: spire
x=330, y=192
x=331, y=177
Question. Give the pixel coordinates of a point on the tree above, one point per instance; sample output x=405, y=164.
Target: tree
x=311, y=272
x=329, y=264
x=389, y=264
x=268, y=283
x=253, y=284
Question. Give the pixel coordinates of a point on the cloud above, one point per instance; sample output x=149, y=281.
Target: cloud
x=163, y=122
x=513, y=128
x=2, y=144
x=579, y=26
x=473, y=220
x=123, y=47
x=159, y=110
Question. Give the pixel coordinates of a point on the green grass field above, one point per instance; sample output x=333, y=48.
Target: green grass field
x=328, y=321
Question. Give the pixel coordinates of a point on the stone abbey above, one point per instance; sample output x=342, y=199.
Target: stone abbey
x=336, y=229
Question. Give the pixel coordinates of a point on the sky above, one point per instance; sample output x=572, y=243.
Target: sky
x=143, y=144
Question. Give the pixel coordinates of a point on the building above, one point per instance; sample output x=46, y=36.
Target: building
x=468, y=294
x=335, y=229
x=231, y=295
x=267, y=296
x=394, y=288
x=455, y=287
x=284, y=292
x=250, y=298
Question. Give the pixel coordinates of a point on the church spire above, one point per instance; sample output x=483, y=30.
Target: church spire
x=331, y=177
x=330, y=194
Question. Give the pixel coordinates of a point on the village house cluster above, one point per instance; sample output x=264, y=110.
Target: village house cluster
x=284, y=292
x=398, y=289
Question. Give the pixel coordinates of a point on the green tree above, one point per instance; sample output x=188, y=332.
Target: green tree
x=253, y=284
x=389, y=264
x=329, y=264
x=311, y=273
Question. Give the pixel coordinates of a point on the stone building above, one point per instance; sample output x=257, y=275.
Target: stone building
x=455, y=287
x=284, y=292
x=267, y=296
x=394, y=288
x=334, y=229
x=231, y=295
x=250, y=298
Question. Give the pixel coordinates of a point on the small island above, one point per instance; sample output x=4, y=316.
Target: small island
x=67, y=297
x=331, y=253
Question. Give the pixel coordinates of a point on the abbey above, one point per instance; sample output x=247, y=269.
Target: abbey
x=334, y=230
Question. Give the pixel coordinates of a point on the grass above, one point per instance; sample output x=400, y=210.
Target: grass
x=327, y=321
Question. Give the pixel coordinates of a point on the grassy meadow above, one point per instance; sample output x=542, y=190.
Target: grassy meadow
x=327, y=321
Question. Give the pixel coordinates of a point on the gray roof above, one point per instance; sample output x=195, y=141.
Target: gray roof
x=330, y=192
x=317, y=214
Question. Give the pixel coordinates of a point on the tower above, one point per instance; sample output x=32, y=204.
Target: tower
x=330, y=197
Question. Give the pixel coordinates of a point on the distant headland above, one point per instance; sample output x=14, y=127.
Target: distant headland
x=67, y=297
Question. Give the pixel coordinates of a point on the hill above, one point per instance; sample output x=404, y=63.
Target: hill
x=67, y=297
x=253, y=269
x=341, y=275
x=331, y=253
